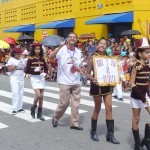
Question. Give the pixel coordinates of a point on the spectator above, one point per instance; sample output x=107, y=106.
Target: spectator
x=91, y=47
x=68, y=77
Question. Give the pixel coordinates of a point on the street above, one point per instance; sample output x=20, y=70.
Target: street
x=21, y=132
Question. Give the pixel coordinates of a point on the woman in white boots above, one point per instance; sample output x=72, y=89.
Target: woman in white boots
x=16, y=68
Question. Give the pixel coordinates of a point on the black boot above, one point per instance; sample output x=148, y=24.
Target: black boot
x=110, y=132
x=94, y=136
x=146, y=140
x=39, y=114
x=137, y=145
x=33, y=110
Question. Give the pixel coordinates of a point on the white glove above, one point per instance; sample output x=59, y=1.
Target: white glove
x=37, y=69
x=43, y=74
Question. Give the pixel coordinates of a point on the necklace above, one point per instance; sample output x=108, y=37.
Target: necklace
x=72, y=55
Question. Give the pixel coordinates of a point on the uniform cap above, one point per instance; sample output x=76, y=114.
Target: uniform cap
x=142, y=43
x=17, y=50
x=36, y=44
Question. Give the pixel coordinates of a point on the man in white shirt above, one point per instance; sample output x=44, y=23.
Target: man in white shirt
x=68, y=78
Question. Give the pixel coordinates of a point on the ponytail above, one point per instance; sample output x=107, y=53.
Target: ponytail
x=137, y=53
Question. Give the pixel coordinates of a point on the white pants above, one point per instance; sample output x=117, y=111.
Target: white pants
x=118, y=90
x=17, y=88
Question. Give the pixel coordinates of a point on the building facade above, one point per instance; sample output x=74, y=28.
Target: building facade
x=19, y=17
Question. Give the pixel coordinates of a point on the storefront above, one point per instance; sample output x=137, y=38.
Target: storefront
x=116, y=22
x=14, y=14
x=63, y=27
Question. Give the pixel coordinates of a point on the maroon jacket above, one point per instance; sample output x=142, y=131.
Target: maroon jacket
x=141, y=81
x=33, y=63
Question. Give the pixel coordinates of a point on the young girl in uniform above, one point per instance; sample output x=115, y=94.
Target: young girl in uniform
x=140, y=94
x=99, y=92
x=16, y=67
x=37, y=67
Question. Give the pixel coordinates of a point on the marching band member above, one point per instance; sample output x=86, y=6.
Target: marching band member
x=99, y=92
x=37, y=67
x=16, y=68
x=140, y=94
x=118, y=88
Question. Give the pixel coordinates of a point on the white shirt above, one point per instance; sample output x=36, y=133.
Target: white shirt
x=66, y=59
x=20, y=63
x=121, y=72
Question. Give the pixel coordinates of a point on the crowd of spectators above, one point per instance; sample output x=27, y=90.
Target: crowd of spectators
x=122, y=47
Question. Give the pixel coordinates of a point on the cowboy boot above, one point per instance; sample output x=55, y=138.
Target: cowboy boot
x=39, y=114
x=146, y=140
x=94, y=136
x=137, y=145
x=33, y=110
x=110, y=132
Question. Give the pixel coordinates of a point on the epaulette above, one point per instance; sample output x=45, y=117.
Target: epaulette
x=138, y=65
x=148, y=65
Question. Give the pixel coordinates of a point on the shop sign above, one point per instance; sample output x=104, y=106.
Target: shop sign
x=44, y=34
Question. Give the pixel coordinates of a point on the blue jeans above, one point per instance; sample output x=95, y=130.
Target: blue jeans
x=83, y=80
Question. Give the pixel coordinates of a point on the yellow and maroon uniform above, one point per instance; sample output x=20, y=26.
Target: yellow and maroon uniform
x=141, y=81
x=33, y=63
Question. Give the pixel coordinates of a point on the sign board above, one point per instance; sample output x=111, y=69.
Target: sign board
x=106, y=70
x=44, y=34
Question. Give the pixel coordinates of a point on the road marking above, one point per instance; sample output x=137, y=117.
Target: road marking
x=48, y=105
x=126, y=101
x=25, y=116
x=57, y=89
x=2, y=126
x=56, y=96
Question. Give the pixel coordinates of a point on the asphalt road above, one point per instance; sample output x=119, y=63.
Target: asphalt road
x=21, y=132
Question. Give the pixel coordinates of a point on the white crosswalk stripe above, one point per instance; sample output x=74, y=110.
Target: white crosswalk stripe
x=86, y=94
x=48, y=105
x=50, y=92
x=26, y=115
x=57, y=89
x=56, y=96
x=2, y=126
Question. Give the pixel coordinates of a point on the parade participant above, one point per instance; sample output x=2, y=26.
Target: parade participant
x=99, y=92
x=68, y=77
x=37, y=67
x=118, y=88
x=140, y=94
x=24, y=55
x=16, y=67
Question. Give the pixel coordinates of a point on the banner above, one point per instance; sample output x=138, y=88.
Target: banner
x=106, y=70
x=44, y=34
